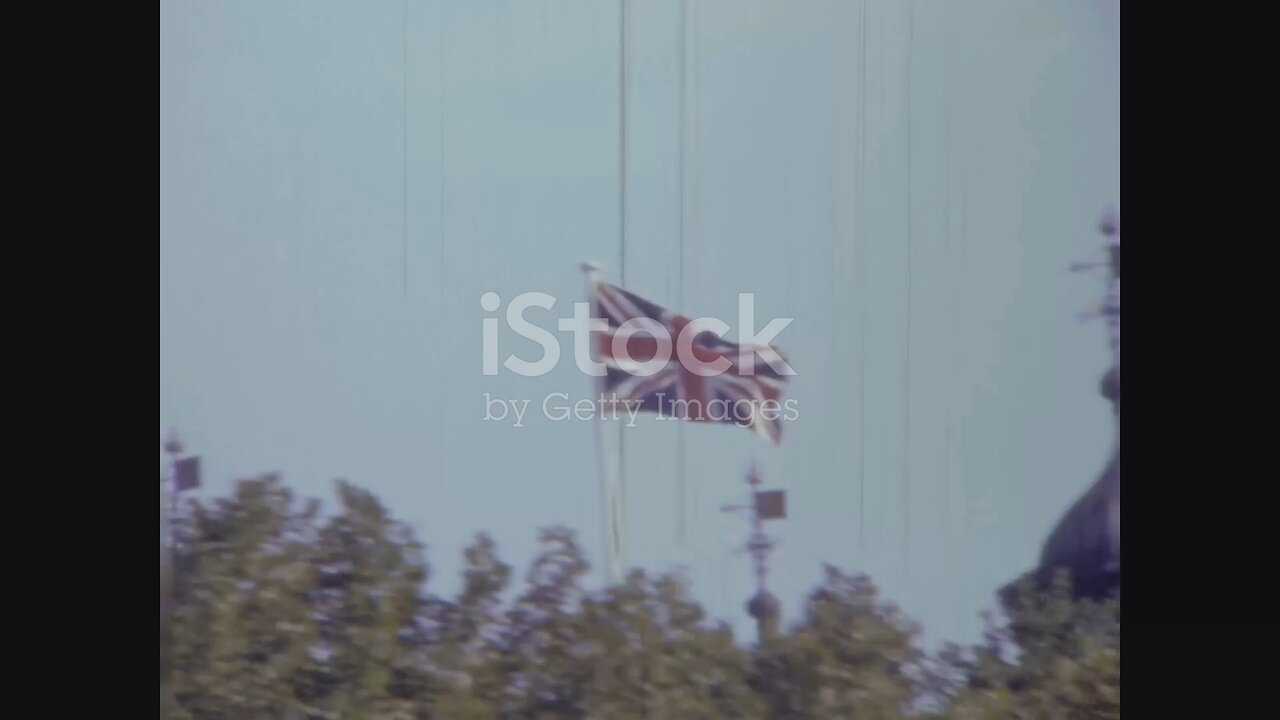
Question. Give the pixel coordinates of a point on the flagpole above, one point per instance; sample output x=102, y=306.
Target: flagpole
x=609, y=486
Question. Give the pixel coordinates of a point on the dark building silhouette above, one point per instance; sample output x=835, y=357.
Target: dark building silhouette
x=1086, y=539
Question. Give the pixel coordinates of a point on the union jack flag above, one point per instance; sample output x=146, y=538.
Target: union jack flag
x=746, y=391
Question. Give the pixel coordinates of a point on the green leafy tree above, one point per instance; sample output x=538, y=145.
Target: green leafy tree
x=467, y=655
x=371, y=661
x=546, y=660
x=241, y=629
x=279, y=613
x=851, y=656
x=1055, y=658
x=279, y=617
x=655, y=655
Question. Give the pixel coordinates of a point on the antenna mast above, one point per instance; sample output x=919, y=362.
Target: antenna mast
x=1109, y=226
x=763, y=606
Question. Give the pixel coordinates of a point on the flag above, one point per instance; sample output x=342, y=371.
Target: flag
x=771, y=504
x=748, y=398
x=186, y=474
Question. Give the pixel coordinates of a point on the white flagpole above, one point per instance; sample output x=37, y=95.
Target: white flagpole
x=610, y=495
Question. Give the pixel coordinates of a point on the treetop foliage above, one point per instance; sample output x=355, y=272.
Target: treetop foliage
x=280, y=613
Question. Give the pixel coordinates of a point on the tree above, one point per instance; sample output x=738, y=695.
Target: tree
x=282, y=614
x=467, y=651
x=242, y=629
x=655, y=656
x=280, y=618
x=545, y=660
x=369, y=658
x=1056, y=657
x=852, y=656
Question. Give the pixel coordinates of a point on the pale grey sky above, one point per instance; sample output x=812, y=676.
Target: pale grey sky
x=908, y=180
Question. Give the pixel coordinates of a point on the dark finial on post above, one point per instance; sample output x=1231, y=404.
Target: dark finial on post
x=172, y=443
x=765, y=608
x=1110, y=223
